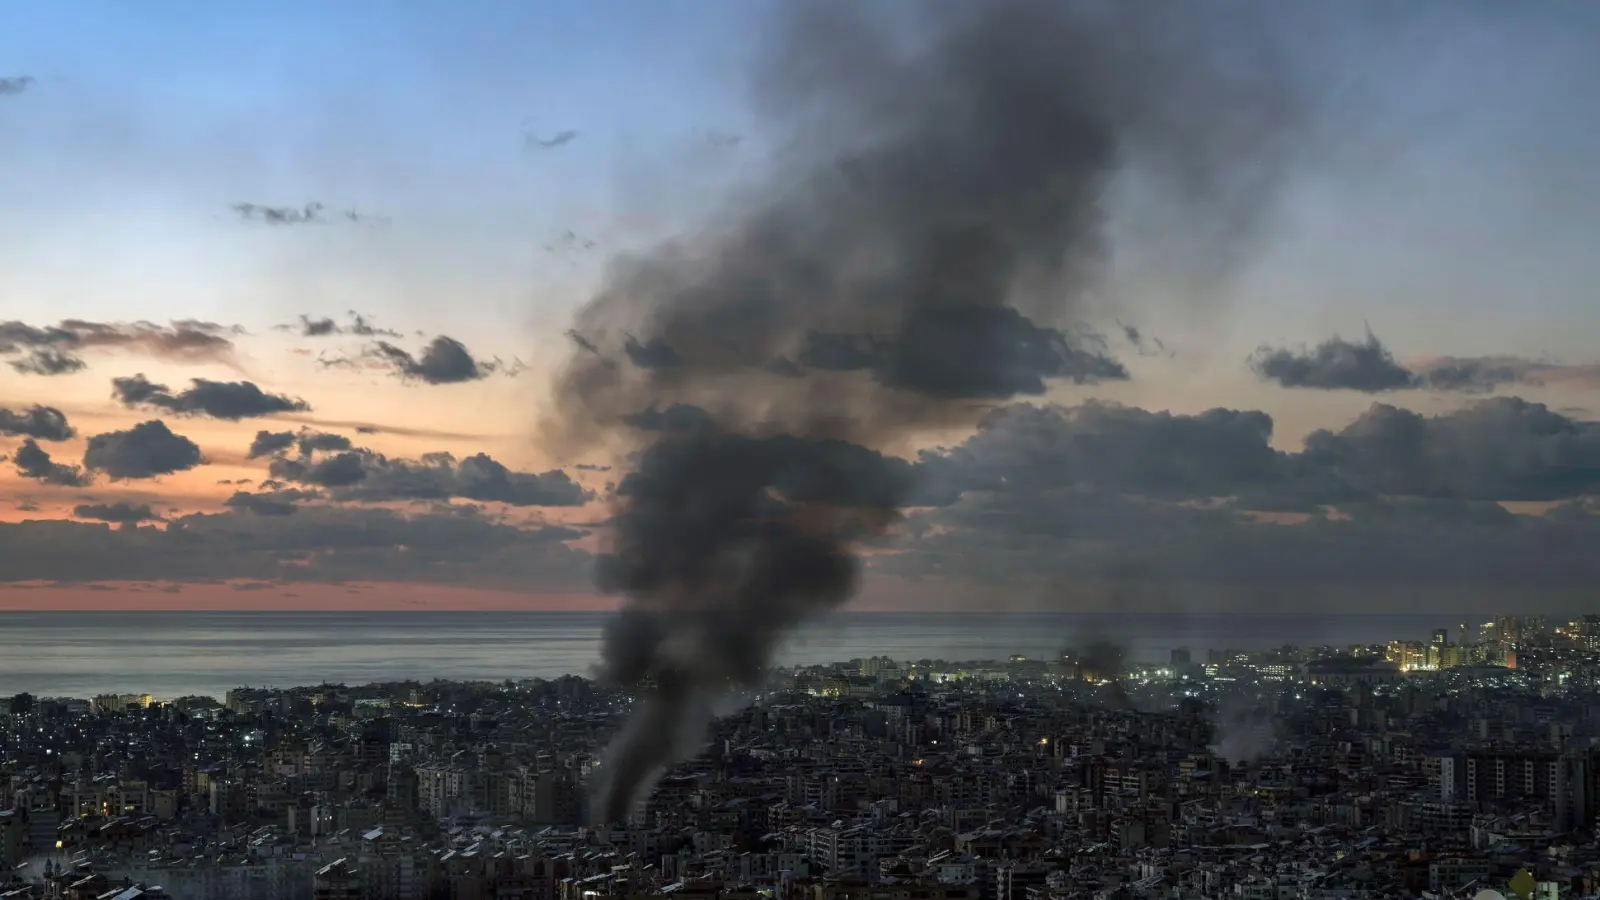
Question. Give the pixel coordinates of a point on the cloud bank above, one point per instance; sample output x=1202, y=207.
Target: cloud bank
x=1061, y=506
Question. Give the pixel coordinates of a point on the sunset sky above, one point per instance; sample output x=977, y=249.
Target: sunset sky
x=473, y=169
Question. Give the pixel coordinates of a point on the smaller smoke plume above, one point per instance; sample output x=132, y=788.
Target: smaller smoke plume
x=1100, y=660
x=19, y=84
x=1241, y=730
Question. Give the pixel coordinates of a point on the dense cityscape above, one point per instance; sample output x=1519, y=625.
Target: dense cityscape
x=1414, y=769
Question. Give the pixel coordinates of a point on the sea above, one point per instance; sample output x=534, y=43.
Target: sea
x=173, y=654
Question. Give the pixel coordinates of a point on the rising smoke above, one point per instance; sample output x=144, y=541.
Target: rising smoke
x=927, y=248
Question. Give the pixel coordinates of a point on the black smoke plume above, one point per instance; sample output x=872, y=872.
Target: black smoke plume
x=1100, y=660
x=924, y=250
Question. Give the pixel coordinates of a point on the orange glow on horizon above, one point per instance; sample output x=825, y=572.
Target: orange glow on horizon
x=259, y=597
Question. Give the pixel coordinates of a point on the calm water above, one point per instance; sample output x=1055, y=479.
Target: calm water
x=169, y=654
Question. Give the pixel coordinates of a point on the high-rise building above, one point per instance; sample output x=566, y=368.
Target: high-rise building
x=1532, y=629
x=1558, y=778
x=1507, y=630
x=1588, y=632
x=1406, y=655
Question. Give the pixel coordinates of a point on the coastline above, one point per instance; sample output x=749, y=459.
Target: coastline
x=172, y=653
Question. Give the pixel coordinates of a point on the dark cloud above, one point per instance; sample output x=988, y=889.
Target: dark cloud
x=377, y=428
x=308, y=214
x=654, y=354
x=43, y=422
x=356, y=325
x=592, y=467
x=34, y=462
x=1335, y=364
x=582, y=343
x=677, y=417
x=340, y=470
x=1475, y=376
x=146, y=450
x=321, y=442
x=229, y=400
x=13, y=85
x=283, y=502
x=1500, y=449
x=267, y=443
x=1105, y=446
x=53, y=349
x=951, y=353
x=44, y=361
x=1056, y=500
x=359, y=474
x=316, y=544
x=1073, y=549
x=308, y=441
x=318, y=327
x=444, y=360
x=116, y=513
x=1144, y=344
x=1503, y=448
x=1369, y=366
x=1485, y=374
x=1064, y=506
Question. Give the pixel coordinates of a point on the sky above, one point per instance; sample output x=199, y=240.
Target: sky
x=356, y=235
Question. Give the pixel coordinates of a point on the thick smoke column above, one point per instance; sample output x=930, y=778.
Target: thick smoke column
x=923, y=250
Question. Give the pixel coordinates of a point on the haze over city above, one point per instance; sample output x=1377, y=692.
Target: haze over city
x=291, y=299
